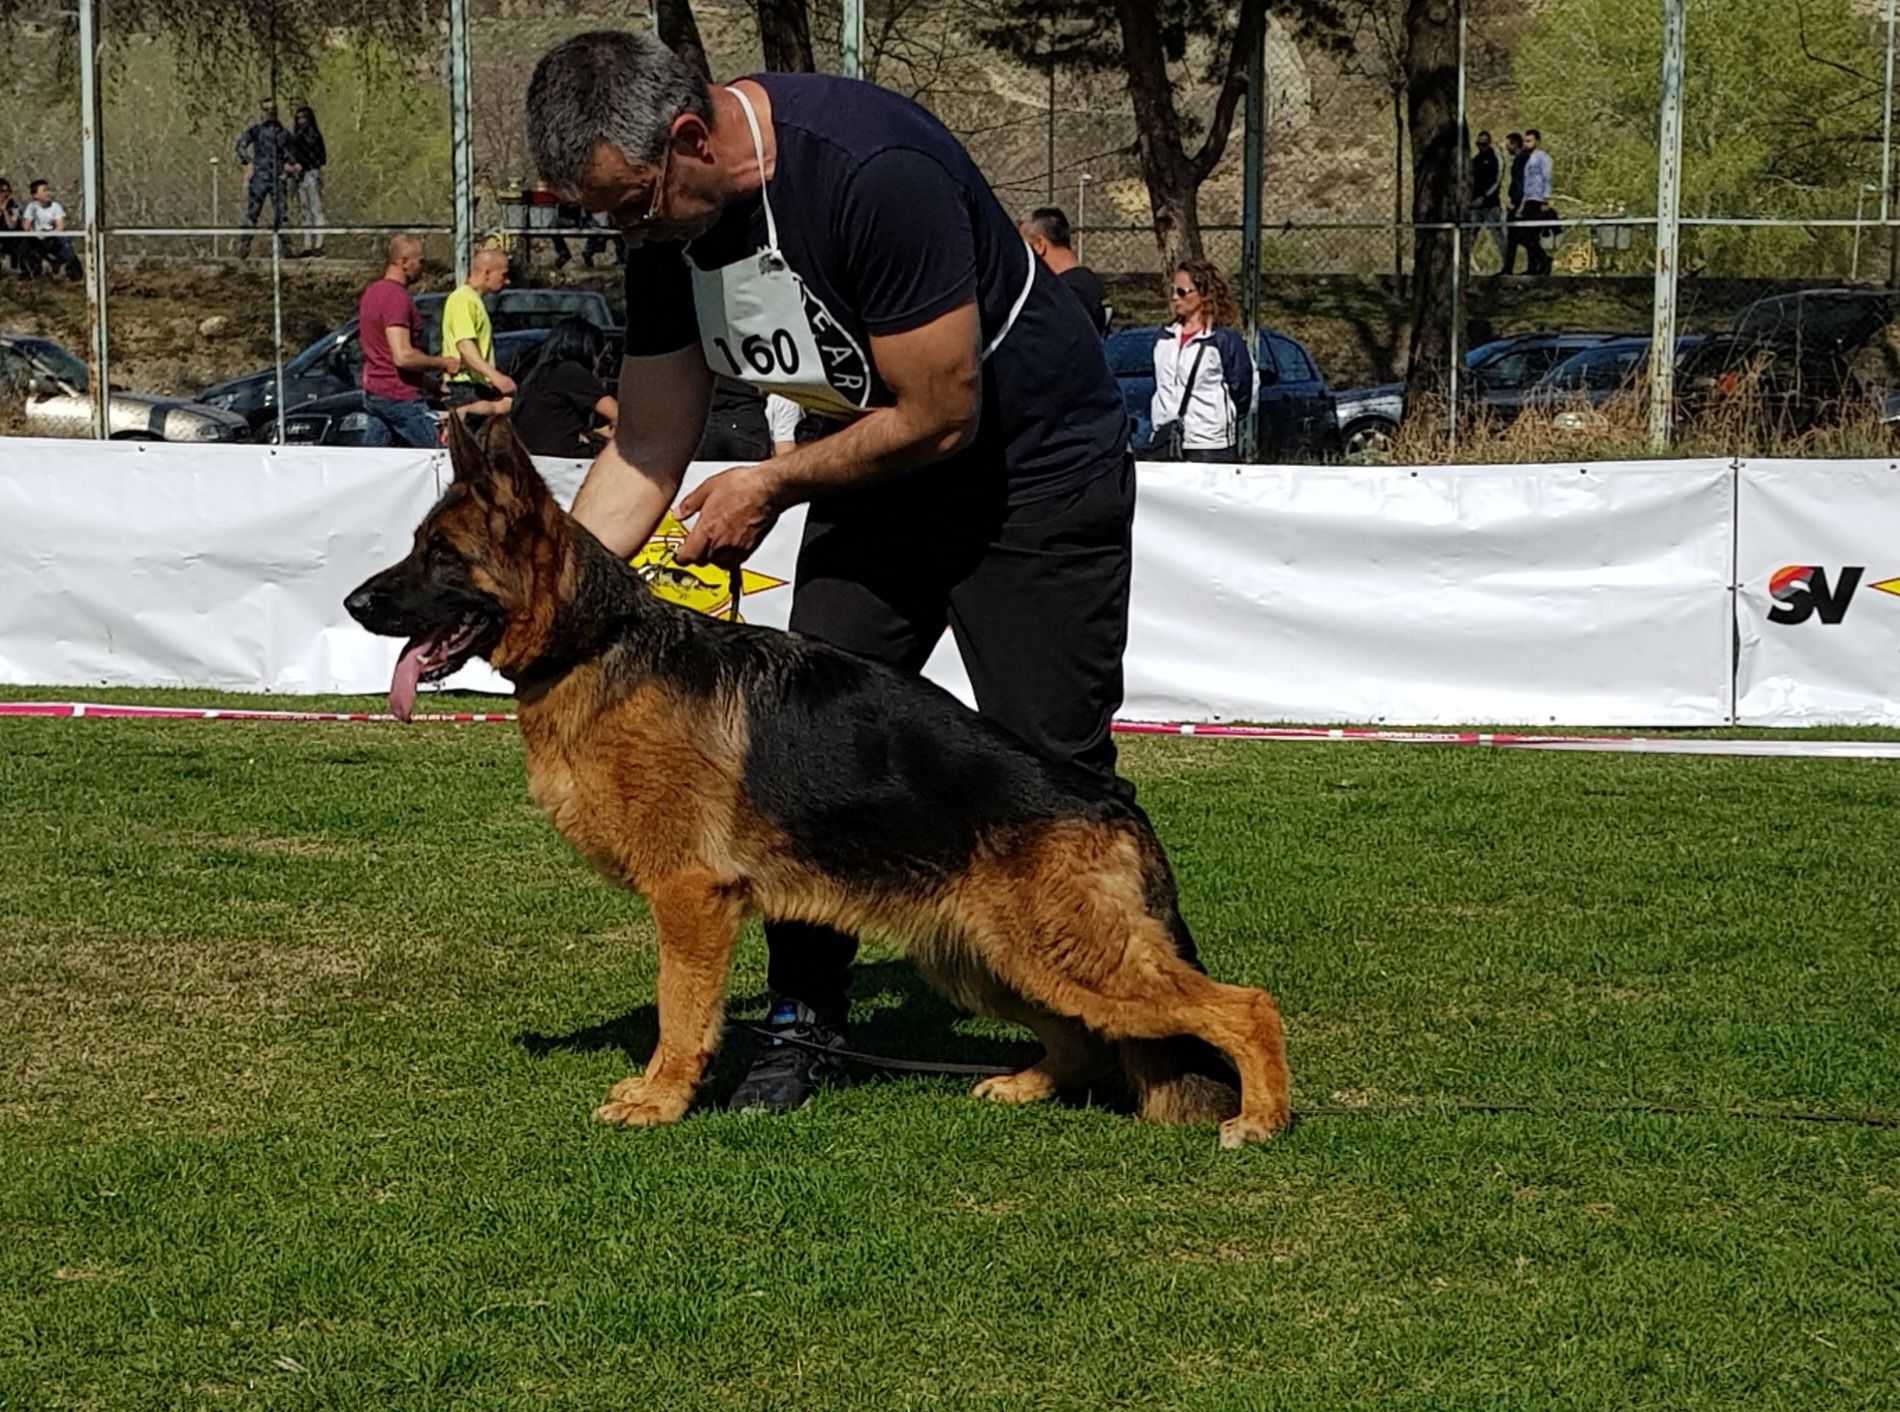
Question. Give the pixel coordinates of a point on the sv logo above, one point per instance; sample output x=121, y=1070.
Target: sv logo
x=1801, y=591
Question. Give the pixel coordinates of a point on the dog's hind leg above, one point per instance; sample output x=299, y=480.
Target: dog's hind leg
x=1072, y=1057
x=698, y=920
x=1084, y=944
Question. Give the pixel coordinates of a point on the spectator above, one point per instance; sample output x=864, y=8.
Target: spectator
x=782, y=416
x=263, y=148
x=1198, y=401
x=792, y=426
x=12, y=250
x=308, y=157
x=1536, y=207
x=568, y=215
x=563, y=407
x=479, y=388
x=47, y=218
x=1485, y=212
x=394, y=365
x=1514, y=203
x=603, y=234
x=1049, y=235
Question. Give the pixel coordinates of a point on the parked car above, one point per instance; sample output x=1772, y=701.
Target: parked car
x=1791, y=361
x=1295, y=404
x=340, y=418
x=1496, y=374
x=333, y=363
x=50, y=389
x=1574, y=393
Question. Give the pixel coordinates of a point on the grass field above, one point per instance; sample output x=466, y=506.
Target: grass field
x=303, y=1024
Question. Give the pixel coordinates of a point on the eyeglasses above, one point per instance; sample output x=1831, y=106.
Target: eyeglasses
x=1180, y=293
x=659, y=194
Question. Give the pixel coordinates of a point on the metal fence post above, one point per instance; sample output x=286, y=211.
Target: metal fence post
x=1886, y=160
x=90, y=183
x=1250, y=182
x=461, y=156
x=277, y=322
x=1459, y=254
x=851, y=39
x=1662, y=343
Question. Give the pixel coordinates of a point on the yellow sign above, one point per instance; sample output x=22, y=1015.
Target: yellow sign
x=702, y=587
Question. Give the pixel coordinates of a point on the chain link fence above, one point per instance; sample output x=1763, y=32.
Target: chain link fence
x=1786, y=184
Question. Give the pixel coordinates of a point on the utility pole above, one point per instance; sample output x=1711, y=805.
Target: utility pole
x=1662, y=342
x=461, y=144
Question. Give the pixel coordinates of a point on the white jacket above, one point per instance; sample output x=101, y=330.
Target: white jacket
x=1223, y=386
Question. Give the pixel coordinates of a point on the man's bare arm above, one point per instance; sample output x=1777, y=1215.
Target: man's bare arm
x=472, y=359
x=935, y=374
x=404, y=354
x=662, y=416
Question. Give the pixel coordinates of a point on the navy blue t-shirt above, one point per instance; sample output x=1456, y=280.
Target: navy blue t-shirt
x=889, y=223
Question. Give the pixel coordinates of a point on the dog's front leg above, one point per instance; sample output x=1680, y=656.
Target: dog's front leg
x=698, y=919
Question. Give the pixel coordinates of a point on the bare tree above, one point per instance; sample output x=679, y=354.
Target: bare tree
x=1148, y=41
x=785, y=35
x=1438, y=198
x=680, y=33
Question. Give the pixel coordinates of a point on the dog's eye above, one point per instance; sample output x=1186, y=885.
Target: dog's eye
x=437, y=550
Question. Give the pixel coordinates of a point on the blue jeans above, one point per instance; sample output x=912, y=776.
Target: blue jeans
x=409, y=422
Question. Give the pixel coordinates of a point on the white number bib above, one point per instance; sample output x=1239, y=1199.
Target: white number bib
x=760, y=324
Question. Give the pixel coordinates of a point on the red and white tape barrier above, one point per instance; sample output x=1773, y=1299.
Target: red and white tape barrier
x=1633, y=744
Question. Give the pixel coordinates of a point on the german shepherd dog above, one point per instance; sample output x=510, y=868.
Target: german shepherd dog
x=810, y=784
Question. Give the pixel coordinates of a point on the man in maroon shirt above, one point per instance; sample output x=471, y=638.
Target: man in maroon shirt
x=394, y=365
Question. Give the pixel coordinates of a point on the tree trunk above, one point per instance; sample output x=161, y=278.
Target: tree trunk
x=785, y=34
x=1173, y=177
x=680, y=33
x=1437, y=180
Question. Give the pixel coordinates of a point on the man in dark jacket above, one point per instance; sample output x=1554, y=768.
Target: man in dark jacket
x=1484, y=212
x=1522, y=236
x=263, y=148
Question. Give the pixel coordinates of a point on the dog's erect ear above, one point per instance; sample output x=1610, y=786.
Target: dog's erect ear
x=508, y=461
x=466, y=454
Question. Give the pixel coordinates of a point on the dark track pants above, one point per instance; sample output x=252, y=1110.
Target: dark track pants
x=1036, y=597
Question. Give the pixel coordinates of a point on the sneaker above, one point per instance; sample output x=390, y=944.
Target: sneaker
x=785, y=1076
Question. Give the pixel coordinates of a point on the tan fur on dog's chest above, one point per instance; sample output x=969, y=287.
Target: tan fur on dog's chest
x=643, y=789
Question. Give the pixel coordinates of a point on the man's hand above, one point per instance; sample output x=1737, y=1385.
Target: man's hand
x=736, y=509
x=451, y=365
x=502, y=383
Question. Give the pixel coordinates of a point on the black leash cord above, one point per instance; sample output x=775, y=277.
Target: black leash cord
x=1405, y=1109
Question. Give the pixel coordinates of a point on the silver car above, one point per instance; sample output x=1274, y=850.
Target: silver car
x=43, y=389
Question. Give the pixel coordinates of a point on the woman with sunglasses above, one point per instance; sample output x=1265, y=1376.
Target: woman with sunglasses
x=1204, y=378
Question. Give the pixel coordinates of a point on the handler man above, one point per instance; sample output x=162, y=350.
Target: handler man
x=831, y=242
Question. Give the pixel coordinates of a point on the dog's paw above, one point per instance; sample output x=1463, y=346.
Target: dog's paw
x=1251, y=1127
x=634, y=1107
x=1026, y=1086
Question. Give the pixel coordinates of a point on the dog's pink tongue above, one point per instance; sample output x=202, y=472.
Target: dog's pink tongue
x=402, y=686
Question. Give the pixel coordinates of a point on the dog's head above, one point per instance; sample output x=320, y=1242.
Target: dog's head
x=485, y=576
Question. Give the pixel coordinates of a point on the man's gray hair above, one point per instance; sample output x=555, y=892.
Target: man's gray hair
x=607, y=86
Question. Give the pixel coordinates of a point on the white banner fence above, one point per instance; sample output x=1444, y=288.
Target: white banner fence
x=1668, y=593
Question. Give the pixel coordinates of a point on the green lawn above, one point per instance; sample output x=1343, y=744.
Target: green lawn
x=302, y=1025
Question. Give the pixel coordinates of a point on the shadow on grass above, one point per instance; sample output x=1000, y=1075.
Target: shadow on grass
x=895, y=1014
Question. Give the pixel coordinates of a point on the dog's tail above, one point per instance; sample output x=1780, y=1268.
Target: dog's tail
x=1180, y=1080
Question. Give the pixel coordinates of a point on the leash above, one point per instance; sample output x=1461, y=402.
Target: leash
x=879, y=1061
x=1403, y=1109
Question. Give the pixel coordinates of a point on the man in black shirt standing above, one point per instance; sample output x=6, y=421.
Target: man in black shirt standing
x=831, y=242
x=1048, y=233
x=263, y=149
x=1485, y=212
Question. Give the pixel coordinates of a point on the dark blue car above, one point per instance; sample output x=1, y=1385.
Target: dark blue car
x=1296, y=406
